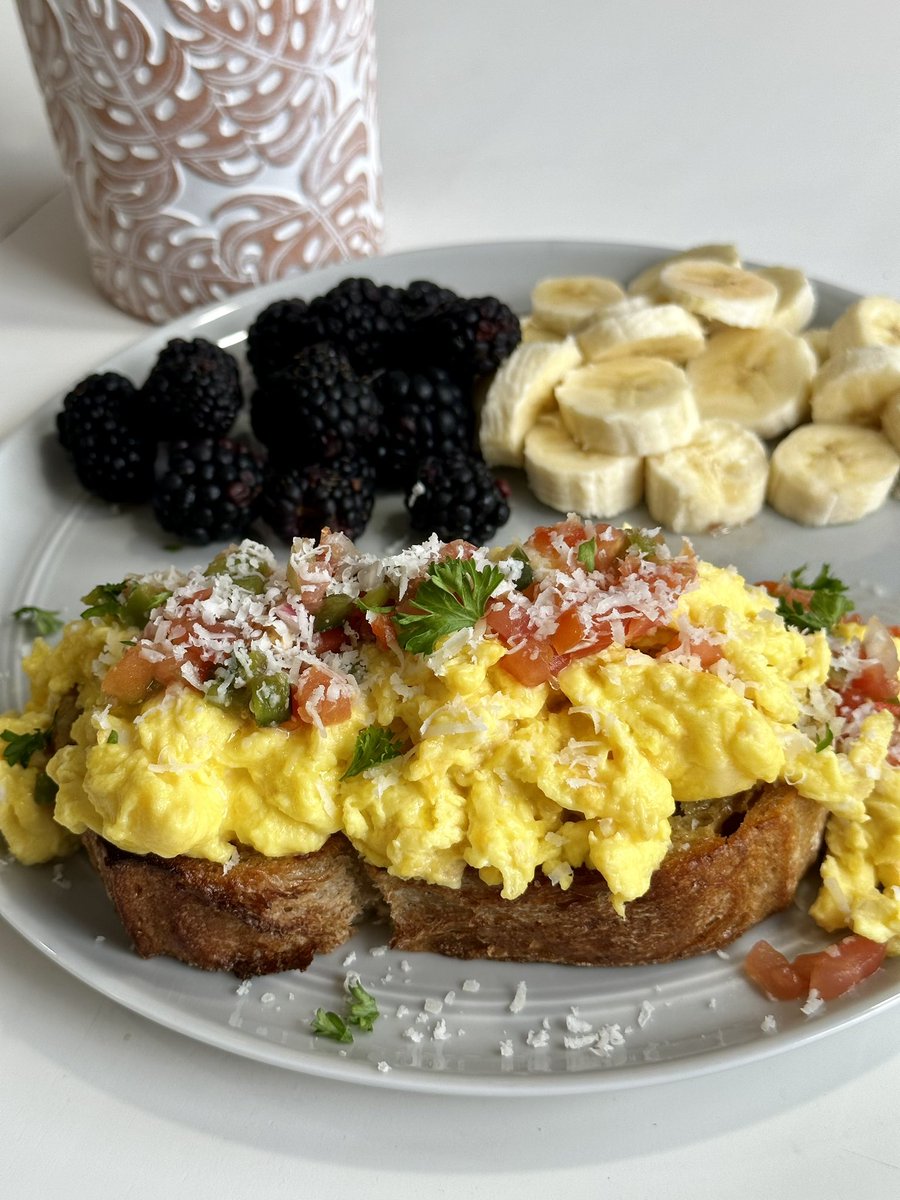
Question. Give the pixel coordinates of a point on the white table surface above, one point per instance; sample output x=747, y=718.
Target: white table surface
x=666, y=122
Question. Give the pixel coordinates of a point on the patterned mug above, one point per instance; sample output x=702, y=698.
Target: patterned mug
x=211, y=144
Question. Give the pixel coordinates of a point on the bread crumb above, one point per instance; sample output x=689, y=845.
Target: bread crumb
x=471, y=985
x=506, y=1048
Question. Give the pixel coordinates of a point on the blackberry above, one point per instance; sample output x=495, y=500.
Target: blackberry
x=316, y=408
x=426, y=412
x=99, y=426
x=422, y=297
x=209, y=490
x=469, y=337
x=364, y=319
x=193, y=391
x=456, y=496
x=302, y=501
x=276, y=335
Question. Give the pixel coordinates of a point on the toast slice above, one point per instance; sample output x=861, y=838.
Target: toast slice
x=733, y=862
x=261, y=916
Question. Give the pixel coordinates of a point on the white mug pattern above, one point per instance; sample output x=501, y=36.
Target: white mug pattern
x=211, y=144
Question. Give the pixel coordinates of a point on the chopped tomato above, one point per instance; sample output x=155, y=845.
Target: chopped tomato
x=569, y=631
x=134, y=676
x=875, y=683
x=827, y=973
x=382, y=629
x=558, y=544
x=773, y=974
x=321, y=698
x=330, y=640
x=532, y=663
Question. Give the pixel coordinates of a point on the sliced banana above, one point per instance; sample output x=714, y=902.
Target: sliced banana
x=758, y=377
x=719, y=292
x=890, y=421
x=647, y=282
x=873, y=321
x=534, y=331
x=853, y=386
x=663, y=331
x=831, y=474
x=796, y=301
x=818, y=340
x=717, y=480
x=570, y=479
x=520, y=391
x=628, y=406
x=567, y=303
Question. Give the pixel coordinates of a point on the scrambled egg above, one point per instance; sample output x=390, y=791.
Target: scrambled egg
x=497, y=776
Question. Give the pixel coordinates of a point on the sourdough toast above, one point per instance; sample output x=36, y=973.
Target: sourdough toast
x=260, y=916
x=732, y=863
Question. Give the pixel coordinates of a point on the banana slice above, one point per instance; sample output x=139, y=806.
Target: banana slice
x=873, y=321
x=852, y=386
x=719, y=292
x=534, y=331
x=717, y=480
x=628, y=406
x=520, y=391
x=796, y=297
x=570, y=479
x=632, y=327
x=568, y=303
x=647, y=282
x=831, y=474
x=818, y=341
x=890, y=421
x=758, y=377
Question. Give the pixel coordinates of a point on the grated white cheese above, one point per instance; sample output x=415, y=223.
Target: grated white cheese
x=518, y=1001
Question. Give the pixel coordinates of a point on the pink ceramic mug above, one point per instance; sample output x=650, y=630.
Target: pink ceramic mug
x=211, y=144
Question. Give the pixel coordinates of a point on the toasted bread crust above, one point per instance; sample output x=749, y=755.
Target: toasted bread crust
x=741, y=863
x=703, y=896
x=262, y=915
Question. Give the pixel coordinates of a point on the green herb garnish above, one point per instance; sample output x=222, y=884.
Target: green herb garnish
x=453, y=596
x=362, y=1009
x=21, y=746
x=828, y=602
x=374, y=745
x=45, y=621
x=113, y=739
x=587, y=555
x=526, y=575
x=826, y=740
x=45, y=789
x=330, y=1025
x=105, y=600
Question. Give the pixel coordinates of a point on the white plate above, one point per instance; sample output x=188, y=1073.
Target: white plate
x=648, y=1024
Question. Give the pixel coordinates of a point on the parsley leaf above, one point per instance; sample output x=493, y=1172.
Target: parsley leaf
x=587, y=555
x=21, y=746
x=45, y=621
x=362, y=1009
x=330, y=1025
x=827, y=605
x=826, y=741
x=374, y=745
x=105, y=600
x=113, y=739
x=454, y=596
x=526, y=575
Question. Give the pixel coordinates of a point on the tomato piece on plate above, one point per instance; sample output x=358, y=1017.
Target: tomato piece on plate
x=771, y=971
x=840, y=967
x=321, y=698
